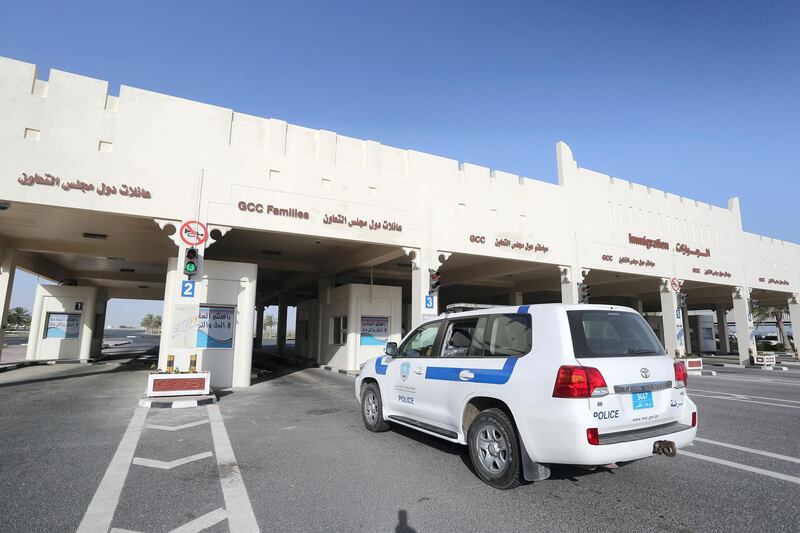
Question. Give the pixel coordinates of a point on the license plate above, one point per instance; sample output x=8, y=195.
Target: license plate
x=642, y=400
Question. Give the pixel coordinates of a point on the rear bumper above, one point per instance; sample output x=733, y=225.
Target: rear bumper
x=560, y=438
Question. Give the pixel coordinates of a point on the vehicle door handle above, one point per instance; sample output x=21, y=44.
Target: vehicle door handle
x=418, y=371
x=465, y=375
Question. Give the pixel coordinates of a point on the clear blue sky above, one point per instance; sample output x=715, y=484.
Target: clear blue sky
x=697, y=98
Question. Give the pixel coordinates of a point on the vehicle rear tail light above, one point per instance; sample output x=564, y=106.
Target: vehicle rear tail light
x=579, y=382
x=593, y=436
x=694, y=419
x=681, y=376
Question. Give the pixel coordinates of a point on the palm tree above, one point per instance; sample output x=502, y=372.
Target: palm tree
x=157, y=324
x=19, y=317
x=774, y=312
x=270, y=322
x=147, y=322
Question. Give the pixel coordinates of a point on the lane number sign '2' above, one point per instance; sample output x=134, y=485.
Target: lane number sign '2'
x=193, y=233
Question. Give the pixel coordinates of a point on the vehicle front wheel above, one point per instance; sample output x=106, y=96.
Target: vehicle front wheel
x=494, y=449
x=372, y=408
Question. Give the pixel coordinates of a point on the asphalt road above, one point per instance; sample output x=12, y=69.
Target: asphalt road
x=304, y=462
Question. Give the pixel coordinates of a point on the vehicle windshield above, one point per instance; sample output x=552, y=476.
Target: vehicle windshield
x=606, y=333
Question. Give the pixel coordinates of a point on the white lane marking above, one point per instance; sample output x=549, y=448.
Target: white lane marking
x=169, y=465
x=745, y=396
x=768, y=473
x=741, y=400
x=202, y=522
x=101, y=509
x=750, y=450
x=720, y=376
x=240, y=513
x=176, y=428
x=195, y=526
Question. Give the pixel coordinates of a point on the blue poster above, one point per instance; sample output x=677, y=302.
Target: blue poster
x=374, y=330
x=63, y=326
x=215, y=327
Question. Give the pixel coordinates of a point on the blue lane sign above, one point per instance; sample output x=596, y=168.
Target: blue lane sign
x=187, y=289
x=429, y=302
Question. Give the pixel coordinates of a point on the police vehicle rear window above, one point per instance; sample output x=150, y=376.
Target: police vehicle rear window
x=602, y=333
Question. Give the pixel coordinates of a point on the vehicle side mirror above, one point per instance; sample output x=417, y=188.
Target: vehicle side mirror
x=391, y=349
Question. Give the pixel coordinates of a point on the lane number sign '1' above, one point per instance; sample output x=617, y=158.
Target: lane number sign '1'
x=193, y=233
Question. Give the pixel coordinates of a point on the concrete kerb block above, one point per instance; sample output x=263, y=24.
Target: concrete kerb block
x=177, y=402
x=728, y=365
x=702, y=372
x=350, y=373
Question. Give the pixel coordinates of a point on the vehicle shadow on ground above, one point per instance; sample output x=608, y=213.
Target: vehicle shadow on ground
x=557, y=472
x=123, y=367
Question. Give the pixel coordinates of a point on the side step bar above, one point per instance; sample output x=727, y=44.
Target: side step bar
x=422, y=425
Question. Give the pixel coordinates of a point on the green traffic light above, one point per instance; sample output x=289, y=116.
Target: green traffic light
x=190, y=267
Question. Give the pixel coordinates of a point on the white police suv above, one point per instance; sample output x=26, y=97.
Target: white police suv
x=526, y=387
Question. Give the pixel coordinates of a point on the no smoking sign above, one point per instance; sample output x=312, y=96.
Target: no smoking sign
x=193, y=233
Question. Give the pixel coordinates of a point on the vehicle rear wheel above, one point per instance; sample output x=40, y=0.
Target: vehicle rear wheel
x=494, y=449
x=372, y=408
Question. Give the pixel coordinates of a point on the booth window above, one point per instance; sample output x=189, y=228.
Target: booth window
x=339, y=330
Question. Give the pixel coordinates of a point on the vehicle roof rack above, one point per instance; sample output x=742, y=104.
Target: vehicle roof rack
x=461, y=307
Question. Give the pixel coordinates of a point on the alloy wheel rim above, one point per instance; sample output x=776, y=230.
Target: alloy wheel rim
x=371, y=408
x=493, y=451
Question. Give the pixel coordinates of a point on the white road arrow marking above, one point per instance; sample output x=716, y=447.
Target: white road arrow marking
x=168, y=465
x=176, y=428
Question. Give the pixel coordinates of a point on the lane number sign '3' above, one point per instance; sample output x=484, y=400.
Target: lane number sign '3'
x=429, y=302
x=187, y=289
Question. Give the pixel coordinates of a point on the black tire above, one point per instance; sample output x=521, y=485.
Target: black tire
x=494, y=449
x=372, y=408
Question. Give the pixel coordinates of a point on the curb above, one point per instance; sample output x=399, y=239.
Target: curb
x=22, y=364
x=729, y=365
x=176, y=403
x=340, y=371
x=702, y=372
x=773, y=368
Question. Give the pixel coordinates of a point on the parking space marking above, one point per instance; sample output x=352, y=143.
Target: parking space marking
x=748, y=468
x=749, y=450
x=694, y=395
x=240, y=512
x=101, y=509
x=730, y=377
x=169, y=465
x=177, y=428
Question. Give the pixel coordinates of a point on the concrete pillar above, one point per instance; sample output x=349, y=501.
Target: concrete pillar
x=171, y=286
x=243, y=341
x=259, y=342
x=745, y=334
x=323, y=297
x=282, y=316
x=514, y=297
x=672, y=320
x=424, y=304
x=687, y=333
x=571, y=276
x=638, y=304
x=794, y=317
x=722, y=329
x=8, y=266
x=88, y=327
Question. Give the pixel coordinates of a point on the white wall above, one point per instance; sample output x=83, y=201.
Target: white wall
x=221, y=283
x=162, y=143
x=64, y=299
x=355, y=301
